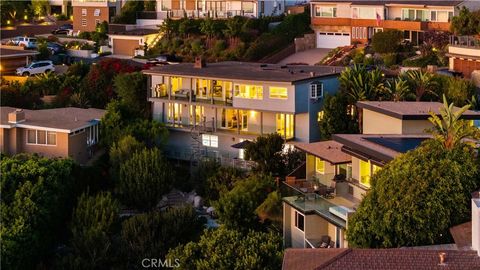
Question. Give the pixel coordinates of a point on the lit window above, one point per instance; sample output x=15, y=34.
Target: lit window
x=278, y=92
x=210, y=140
x=365, y=173
x=248, y=91
x=176, y=83
x=285, y=125
x=319, y=165
x=96, y=13
x=299, y=221
x=84, y=12
x=320, y=116
x=84, y=22
x=316, y=90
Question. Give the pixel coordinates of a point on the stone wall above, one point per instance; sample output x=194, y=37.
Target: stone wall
x=307, y=42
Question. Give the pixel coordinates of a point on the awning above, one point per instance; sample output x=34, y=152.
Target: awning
x=241, y=145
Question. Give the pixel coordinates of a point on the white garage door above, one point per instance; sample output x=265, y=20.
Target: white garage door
x=332, y=40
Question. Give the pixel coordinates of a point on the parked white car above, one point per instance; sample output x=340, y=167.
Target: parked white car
x=38, y=67
x=28, y=42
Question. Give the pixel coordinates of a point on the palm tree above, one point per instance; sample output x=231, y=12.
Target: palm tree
x=233, y=29
x=398, y=90
x=360, y=85
x=449, y=129
x=422, y=82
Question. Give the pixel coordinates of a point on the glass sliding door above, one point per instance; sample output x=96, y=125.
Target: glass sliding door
x=285, y=125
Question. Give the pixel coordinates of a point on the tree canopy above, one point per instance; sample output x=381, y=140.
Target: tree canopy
x=230, y=249
x=466, y=23
x=336, y=118
x=416, y=198
x=387, y=41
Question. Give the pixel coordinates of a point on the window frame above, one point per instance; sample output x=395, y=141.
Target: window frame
x=84, y=22
x=319, y=11
x=84, y=12
x=314, y=91
x=47, y=133
x=237, y=89
x=210, y=140
x=297, y=222
x=277, y=95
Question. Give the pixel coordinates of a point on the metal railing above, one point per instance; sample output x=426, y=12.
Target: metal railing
x=182, y=13
x=465, y=41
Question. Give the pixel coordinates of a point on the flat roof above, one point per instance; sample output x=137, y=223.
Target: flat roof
x=9, y=53
x=405, y=2
x=393, y=259
x=247, y=71
x=330, y=151
x=135, y=32
x=61, y=119
x=379, y=148
x=411, y=110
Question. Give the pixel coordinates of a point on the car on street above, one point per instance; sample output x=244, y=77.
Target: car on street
x=27, y=42
x=63, y=29
x=55, y=48
x=37, y=67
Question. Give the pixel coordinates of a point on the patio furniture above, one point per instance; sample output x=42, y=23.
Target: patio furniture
x=331, y=190
x=322, y=191
x=324, y=241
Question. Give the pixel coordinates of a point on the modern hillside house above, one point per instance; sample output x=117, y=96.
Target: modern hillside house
x=212, y=108
x=344, y=22
x=88, y=13
x=220, y=8
x=336, y=174
x=61, y=132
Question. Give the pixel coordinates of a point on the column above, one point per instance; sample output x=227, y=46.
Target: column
x=238, y=121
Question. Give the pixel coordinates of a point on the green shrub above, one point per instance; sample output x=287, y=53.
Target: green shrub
x=197, y=46
x=390, y=59
x=424, y=61
x=387, y=41
x=85, y=35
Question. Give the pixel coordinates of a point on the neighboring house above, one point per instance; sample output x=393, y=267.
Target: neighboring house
x=464, y=254
x=211, y=107
x=62, y=132
x=220, y=9
x=337, y=173
x=58, y=6
x=88, y=13
x=345, y=22
x=464, y=55
x=126, y=42
x=14, y=57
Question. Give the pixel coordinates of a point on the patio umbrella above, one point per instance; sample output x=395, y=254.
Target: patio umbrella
x=241, y=145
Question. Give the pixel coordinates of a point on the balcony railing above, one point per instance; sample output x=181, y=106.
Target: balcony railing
x=181, y=13
x=465, y=41
x=152, y=15
x=160, y=91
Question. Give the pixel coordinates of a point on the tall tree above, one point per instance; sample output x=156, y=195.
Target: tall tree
x=416, y=198
x=449, y=129
x=131, y=88
x=151, y=235
x=466, y=22
x=144, y=179
x=93, y=223
x=336, y=118
x=266, y=152
x=121, y=152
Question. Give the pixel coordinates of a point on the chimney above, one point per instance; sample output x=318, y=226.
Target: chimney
x=199, y=62
x=17, y=116
x=476, y=224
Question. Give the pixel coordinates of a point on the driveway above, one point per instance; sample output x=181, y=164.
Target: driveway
x=309, y=57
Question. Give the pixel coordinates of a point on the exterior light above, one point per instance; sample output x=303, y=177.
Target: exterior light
x=25, y=17
x=8, y=21
x=71, y=17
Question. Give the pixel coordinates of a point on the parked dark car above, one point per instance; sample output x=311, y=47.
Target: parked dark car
x=164, y=59
x=55, y=48
x=63, y=29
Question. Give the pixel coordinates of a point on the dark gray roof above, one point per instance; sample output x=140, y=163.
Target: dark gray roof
x=410, y=110
x=360, y=146
x=247, y=71
x=8, y=53
x=406, y=2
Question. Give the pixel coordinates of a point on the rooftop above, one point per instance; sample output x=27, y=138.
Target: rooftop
x=330, y=151
x=390, y=2
x=410, y=110
x=135, y=32
x=462, y=235
x=380, y=148
x=8, y=53
x=247, y=71
x=391, y=259
x=62, y=119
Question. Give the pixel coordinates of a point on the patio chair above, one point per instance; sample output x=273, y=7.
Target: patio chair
x=331, y=245
x=324, y=241
x=331, y=190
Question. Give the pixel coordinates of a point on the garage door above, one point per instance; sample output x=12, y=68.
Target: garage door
x=125, y=46
x=332, y=40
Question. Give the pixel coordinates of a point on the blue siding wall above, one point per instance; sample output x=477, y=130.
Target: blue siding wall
x=303, y=103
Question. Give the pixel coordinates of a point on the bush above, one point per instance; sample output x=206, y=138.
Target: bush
x=390, y=59
x=424, y=61
x=387, y=41
x=85, y=35
x=62, y=17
